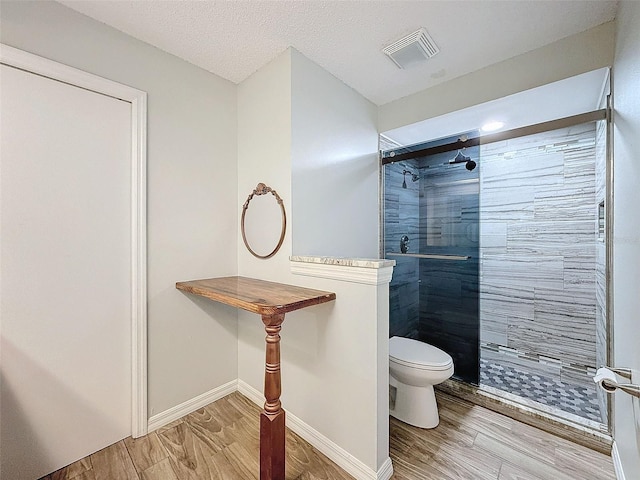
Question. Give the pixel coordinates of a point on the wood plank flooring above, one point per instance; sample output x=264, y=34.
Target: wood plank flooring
x=472, y=442
x=221, y=441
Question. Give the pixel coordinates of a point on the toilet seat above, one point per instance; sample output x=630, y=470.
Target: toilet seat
x=419, y=355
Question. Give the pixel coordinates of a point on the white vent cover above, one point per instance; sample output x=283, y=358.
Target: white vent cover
x=415, y=47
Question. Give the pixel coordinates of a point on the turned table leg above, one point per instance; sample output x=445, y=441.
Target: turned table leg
x=272, y=428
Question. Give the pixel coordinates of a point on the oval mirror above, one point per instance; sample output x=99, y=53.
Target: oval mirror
x=263, y=222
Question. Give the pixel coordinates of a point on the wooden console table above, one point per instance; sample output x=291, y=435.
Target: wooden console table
x=271, y=301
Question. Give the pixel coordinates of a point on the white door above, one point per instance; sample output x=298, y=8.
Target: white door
x=65, y=281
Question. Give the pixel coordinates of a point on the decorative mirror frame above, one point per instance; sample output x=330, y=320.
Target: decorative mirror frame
x=263, y=189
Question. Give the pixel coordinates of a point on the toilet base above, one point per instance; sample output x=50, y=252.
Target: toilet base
x=415, y=405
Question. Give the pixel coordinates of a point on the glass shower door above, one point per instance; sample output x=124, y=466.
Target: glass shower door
x=431, y=229
x=449, y=270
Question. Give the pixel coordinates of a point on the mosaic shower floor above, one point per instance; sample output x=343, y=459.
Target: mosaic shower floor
x=567, y=397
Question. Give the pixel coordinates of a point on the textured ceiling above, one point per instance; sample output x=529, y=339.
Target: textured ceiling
x=233, y=39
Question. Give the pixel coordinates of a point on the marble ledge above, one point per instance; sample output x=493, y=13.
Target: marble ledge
x=355, y=270
x=345, y=262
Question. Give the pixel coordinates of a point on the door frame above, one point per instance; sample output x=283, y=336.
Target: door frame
x=29, y=62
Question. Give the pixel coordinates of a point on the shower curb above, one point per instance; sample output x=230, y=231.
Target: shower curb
x=593, y=438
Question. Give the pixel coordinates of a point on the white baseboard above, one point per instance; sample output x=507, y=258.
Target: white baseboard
x=617, y=464
x=341, y=457
x=251, y=393
x=190, y=406
x=386, y=470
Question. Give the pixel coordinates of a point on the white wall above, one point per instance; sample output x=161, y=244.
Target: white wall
x=626, y=233
x=192, y=188
x=570, y=56
x=334, y=165
x=264, y=152
x=329, y=380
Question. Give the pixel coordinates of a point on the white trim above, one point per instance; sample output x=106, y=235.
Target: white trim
x=190, y=406
x=48, y=68
x=29, y=62
x=251, y=393
x=340, y=456
x=368, y=276
x=386, y=470
x=139, y=422
x=617, y=463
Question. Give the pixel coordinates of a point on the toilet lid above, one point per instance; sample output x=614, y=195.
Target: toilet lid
x=418, y=354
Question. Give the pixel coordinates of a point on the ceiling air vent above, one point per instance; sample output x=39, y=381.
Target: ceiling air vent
x=415, y=47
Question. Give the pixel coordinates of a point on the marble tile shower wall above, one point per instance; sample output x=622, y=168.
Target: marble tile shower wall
x=538, y=227
x=402, y=218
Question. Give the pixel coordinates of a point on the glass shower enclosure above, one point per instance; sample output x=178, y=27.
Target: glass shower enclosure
x=500, y=256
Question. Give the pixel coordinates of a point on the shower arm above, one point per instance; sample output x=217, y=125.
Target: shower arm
x=463, y=159
x=414, y=176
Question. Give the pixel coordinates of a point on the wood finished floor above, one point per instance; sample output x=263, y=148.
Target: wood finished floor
x=472, y=442
x=221, y=441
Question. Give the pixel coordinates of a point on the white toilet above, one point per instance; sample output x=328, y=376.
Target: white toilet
x=414, y=368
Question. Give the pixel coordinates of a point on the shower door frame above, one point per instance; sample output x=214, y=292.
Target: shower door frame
x=608, y=240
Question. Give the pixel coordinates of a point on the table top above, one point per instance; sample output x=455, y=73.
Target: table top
x=257, y=296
